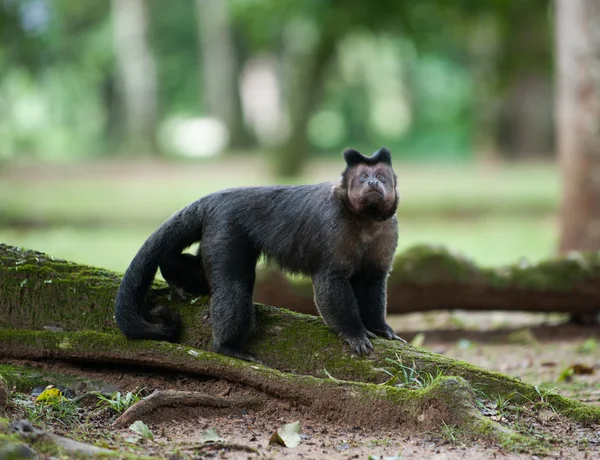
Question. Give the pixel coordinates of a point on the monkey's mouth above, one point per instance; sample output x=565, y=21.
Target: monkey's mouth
x=373, y=191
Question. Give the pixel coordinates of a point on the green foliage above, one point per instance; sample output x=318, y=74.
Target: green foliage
x=403, y=74
x=60, y=411
x=52, y=99
x=173, y=35
x=589, y=346
x=544, y=394
x=118, y=402
x=409, y=377
x=502, y=403
x=450, y=433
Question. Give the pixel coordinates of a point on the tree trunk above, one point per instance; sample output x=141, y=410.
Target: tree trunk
x=525, y=124
x=578, y=122
x=220, y=88
x=137, y=74
x=524, y=72
x=303, y=81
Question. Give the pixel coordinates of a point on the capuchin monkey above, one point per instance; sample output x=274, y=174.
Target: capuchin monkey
x=341, y=234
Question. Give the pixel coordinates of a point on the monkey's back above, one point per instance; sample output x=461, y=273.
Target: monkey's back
x=291, y=225
x=301, y=228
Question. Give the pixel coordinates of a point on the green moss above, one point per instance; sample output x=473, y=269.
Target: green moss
x=322, y=350
x=557, y=274
x=423, y=264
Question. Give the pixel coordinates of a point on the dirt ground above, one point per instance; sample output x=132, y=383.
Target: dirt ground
x=527, y=346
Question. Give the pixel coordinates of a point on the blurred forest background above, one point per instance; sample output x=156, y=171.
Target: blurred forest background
x=114, y=114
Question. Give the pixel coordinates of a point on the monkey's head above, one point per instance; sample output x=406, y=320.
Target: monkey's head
x=368, y=186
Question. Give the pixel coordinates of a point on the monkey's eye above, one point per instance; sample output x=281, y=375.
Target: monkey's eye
x=364, y=175
x=379, y=176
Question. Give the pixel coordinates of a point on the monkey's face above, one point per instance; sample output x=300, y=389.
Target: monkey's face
x=372, y=190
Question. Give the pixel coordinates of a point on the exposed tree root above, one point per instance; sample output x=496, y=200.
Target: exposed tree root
x=226, y=446
x=173, y=398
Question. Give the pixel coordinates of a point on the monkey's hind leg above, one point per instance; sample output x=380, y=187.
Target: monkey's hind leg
x=185, y=274
x=231, y=272
x=370, y=292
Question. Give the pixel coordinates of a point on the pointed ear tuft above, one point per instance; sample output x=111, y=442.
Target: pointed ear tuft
x=353, y=157
x=383, y=155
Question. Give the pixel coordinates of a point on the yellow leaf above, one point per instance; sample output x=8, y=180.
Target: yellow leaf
x=50, y=394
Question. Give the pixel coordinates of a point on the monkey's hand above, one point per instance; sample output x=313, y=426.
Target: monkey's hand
x=359, y=345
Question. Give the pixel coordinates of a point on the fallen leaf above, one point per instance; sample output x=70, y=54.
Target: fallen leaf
x=522, y=337
x=211, y=435
x=51, y=393
x=142, y=429
x=287, y=435
x=546, y=415
x=582, y=369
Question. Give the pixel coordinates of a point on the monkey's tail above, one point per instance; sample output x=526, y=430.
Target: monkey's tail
x=135, y=319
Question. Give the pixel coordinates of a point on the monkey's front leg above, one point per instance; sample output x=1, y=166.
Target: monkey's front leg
x=370, y=291
x=336, y=303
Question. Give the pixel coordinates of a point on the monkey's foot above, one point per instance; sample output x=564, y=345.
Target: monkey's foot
x=180, y=292
x=386, y=332
x=237, y=353
x=360, y=345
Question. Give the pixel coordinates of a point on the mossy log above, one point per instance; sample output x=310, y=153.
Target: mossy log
x=426, y=278
x=40, y=295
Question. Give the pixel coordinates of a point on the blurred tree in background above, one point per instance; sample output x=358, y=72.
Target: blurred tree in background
x=136, y=70
x=578, y=50
x=431, y=79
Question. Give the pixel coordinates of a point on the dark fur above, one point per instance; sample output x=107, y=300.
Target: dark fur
x=342, y=234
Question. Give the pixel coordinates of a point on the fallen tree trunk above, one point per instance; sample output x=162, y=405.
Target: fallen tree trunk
x=427, y=278
x=38, y=292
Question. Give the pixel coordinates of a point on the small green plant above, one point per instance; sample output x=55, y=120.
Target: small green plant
x=63, y=411
x=409, y=377
x=386, y=442
x=501, y=402
x=119, y=403
x=450, y=433
x=589, y=346
x=543, y=393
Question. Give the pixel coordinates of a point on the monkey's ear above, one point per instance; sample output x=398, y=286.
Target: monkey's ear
x=383, y=155
x=353, y=157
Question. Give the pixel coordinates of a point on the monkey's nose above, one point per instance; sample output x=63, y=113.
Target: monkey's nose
x=373, y=183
